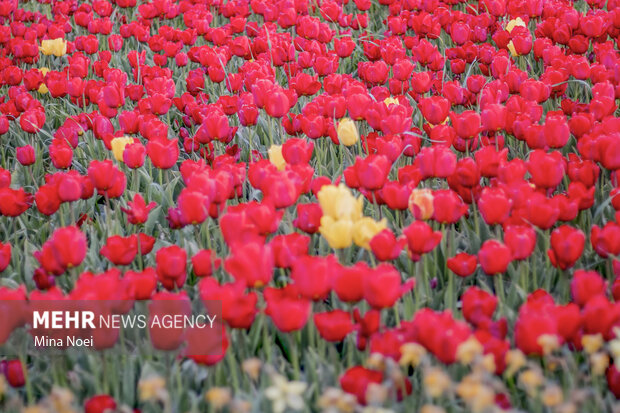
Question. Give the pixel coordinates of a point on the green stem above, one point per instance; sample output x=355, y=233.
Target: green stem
x=294, y=355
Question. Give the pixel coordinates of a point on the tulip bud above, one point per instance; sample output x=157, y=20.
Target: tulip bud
x=421, y=203
x=25, y=155
x=347, y=132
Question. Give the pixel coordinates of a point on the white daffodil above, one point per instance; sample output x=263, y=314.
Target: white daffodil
x=284, y=393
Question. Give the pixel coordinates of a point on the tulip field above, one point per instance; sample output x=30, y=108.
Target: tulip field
x=396, y=205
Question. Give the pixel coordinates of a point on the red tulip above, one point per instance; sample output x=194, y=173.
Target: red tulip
x=448, y=207
x=287, y=248
x=436, y=161
x=14, y=202
x=141, y=285
x=385, y=246
x=606, y=240
x=556, y=131
x=566, y=246
x=494, y=257
x=102, y=174
x=14, y=372
x=383, y=287
x=421, y=239
x=529, y=328
x=489, y=159
x=47, y=199
x=61, y=154
x=134, y=155
x=467, y=173
x=347, y=282
x=372, y=171
x=193, y=206
x=137, y=210
x=25, y=155
x=205, y=262
x=494, y=205
x=356, y=380
x=546, y=169
x=32, y=120
x=5, y=178
x=286, y=309
x=478, y=305
x=308, y=217
x=435, y=109
x=163, y=152
x=278, y=103
x=541, y=211
x=313, y=275
x=120, y=250
x=585, y=285
x=439, y=333
x=167, y=304
x=251, y=263
x=5, y=255
x=297, y=151
x=99, y=404
x=466, y=124
x=395, y=195
x=333, y=325
x=238, y=308
x=463, y=264
x=521, y=240
x=613, y=380
x=171, y=266
x=68, y=246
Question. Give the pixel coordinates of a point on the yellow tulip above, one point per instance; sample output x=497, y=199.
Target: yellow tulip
x=276, y=158
x=515, y=359
x=152, y=389
x=531, y=380
x=429, y=408
x=468, y=350
x=327, y=195
x=552, y=395
x=514, y=23
x=339, y=203
x=218, y=397
x=549, y=343
x=252, y=367
x=592, y=342
x=43, y=87
x=118, y=146
x=347, y=132
x=34, y=409
x=338, y=233
x=412, y=354
x=599, y=363
x=365, y=229
x=421, y=203
x=436, y=382
x=56, y=47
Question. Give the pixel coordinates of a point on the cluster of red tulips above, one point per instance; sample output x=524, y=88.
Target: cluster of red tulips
x=431, y=186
